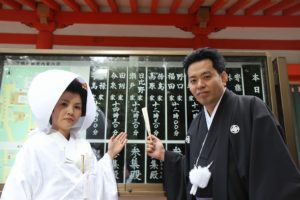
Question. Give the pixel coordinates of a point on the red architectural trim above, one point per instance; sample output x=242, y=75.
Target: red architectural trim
x=15, y=38
x=134, y=6
x=92, y=4
x=13, y=4
x=177, y=20
x=254, y=21
x=258, y=6
x=294, y=72
x=155, y=42
x=256, y=44
x=237, y=6
x=73, y=5
x=52, y=4
x=292, y=10
x=113, y=6
x=18, y=16
x=126, y=18
x=154, y=5
x=174, y=6
x=278, y=7
x=195, y=6
x=217, y=6
x=44, y=40
x=30, y=3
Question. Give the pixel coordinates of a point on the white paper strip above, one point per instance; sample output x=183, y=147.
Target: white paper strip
x=146, y=118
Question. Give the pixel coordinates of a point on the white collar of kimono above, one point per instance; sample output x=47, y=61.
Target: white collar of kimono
x=209, y=118
x=44, y=92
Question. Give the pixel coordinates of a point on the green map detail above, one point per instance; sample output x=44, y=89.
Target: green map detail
x=16, y=119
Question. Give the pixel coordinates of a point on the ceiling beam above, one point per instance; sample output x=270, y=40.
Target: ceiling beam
x=258, y=6
x=256, y=44
x=195, y=6
x=126, y=19
x=237, y=6
x=154, y=4
x=30, y=3
x=52, y=4
x=69, y=40
x=278, y=7
x=73, y=5
x=12, y=3
x=19, y=16
x=254, y=21
x=113, y=6
x=217, y=6
x=133, y=6
x=15, y=38
x=291, y=10
x=177, y=20
x=175, y=5
x=93, y=5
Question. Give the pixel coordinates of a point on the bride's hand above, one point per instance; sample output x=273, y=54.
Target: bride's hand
x=116, y=144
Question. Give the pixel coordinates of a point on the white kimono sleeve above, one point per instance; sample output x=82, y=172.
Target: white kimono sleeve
x=22, y=182
x=105, y=185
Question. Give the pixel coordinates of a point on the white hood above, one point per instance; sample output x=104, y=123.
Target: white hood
x=44, y=92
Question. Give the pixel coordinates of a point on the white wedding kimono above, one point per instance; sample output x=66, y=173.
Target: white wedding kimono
x=50, y=167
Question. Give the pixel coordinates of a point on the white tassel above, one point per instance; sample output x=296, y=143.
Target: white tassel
x=199, y=177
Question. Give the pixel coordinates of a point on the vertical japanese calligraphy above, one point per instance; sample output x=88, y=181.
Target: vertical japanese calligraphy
x=175, y=99
x=136, y=101
x=122, y=85
x=135, y=169
x=252, y=82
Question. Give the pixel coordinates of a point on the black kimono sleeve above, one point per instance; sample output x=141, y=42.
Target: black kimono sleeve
x=262, y=157
x=174, y=176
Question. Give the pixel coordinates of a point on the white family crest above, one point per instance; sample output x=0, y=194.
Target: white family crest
x=234, y=129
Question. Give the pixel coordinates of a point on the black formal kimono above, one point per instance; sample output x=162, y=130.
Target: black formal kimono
x=250, y=158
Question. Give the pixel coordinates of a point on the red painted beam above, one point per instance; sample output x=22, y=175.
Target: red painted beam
x=292, y=10
x=254, y=21
x=258, y=6
x=195, y=6
x=133, y=6
x=13, y=4
x=294, y=69
x=154, y=42
x=256, y=44
x=122, y=41
x=23, y=16
x=15, y=38
x=177, y=20
x=217, y=6
x=113, y=6
x=73, y=5
x=175, y=5
x=126, y=18
x=278, y=7
x=52, y=4
x=92, y=4
x=294, y=73
x=154, y=5
x=103, y=18
x=30, y=3
x=237, y=6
